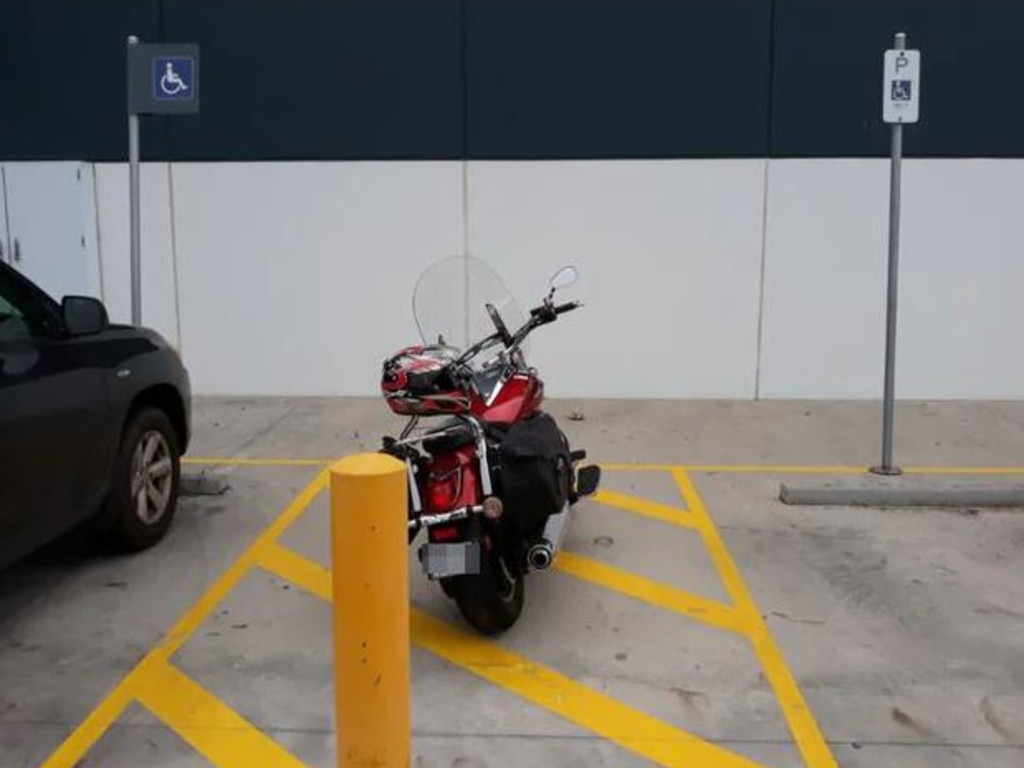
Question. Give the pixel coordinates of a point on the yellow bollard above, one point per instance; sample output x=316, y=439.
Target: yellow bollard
x=370, y=581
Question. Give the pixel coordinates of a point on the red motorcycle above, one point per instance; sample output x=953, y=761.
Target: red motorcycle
x=492, y=484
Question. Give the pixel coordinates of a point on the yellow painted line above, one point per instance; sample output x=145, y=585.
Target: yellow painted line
x=798, y=715
x=232, y=461
x=824, y=469
x=96, y=723
x=69, y=754
x=631, y=729
x=763, y=469
x=626, y=467
x=776, y=469
x=651, y=509
x=197, y=614
x=209, y=725
x=634, y=730
x=964, y=470
x=298, y=569
x=301, y=571
x=646, y=590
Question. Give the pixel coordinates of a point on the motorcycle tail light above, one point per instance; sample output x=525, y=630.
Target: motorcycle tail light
x=444, y=533
x=443, y=491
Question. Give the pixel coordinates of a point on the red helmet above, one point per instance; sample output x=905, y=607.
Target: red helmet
x=419, y=381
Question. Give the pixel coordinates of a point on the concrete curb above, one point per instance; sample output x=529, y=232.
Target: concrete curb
x=201, y=485
x=901, y=492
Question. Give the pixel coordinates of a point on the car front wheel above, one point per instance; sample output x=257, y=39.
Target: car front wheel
x=144, y=489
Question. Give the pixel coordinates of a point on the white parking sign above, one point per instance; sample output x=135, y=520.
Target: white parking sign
x=901, y=95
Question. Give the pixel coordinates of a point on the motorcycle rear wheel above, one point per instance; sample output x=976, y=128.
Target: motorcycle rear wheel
x=492, y=600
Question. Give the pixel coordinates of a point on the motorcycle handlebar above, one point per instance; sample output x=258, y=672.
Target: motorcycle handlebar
x=539, y=316
x=548, y=312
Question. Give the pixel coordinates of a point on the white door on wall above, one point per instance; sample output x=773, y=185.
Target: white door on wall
x=51, y=226
x=5, y=243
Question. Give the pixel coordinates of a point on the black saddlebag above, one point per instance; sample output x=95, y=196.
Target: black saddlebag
x=535, y=468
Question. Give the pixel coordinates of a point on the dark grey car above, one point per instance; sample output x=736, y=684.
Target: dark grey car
x=94, y=418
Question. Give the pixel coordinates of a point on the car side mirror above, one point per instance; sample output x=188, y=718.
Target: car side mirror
x=83, y=315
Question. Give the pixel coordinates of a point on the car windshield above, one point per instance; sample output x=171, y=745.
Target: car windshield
x=450, y=300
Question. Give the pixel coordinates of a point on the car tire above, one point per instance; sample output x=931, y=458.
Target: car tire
x=143, y=492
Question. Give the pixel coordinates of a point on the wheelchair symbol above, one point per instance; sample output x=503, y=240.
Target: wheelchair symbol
x=901, y=90
x=171, y=83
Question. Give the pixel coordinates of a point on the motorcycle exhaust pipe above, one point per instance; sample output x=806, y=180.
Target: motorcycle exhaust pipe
x=542, y=553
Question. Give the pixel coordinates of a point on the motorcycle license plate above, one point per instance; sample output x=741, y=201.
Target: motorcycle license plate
x=440, y=561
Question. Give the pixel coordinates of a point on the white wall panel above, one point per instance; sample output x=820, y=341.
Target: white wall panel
x=5, y=241
x=51, y=217
x=296, y=278
x=962, y=280
x=961, y=321
x=669, y=253
x=158, y=302
x=824, y=295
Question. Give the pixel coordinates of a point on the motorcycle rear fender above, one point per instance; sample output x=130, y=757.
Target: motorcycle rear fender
x=440, y=469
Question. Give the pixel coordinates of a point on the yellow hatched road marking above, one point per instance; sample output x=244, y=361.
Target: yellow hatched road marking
x=73, y=749
x=299, y=570
x=209, y=725
x=70, y=753
x=649, y=591
x=801, y=721
x=652, y=509
x=197, y=614
x=629, y=728
x=636, y=731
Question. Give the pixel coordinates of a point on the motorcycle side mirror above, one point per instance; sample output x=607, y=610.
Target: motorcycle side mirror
x=563, y=278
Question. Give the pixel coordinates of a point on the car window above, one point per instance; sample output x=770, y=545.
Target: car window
x=22, y=314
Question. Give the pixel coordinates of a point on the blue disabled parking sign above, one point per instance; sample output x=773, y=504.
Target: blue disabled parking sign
x=172, y=78
x=163, y=78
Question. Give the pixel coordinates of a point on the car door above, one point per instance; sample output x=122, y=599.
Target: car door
x=52, y=406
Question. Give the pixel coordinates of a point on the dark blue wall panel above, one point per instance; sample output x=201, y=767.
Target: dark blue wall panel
x=827, y=89
x=62, y=78
x=439, y=79
x=618, y=78
x=312, y=79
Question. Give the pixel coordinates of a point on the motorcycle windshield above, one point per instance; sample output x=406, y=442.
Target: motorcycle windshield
x=450, y=300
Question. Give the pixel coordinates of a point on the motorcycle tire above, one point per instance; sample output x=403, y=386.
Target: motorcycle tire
x=492, y=600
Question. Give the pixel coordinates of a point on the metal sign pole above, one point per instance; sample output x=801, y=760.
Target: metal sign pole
x=133, y=204
x=163, y=79
x=892, y=301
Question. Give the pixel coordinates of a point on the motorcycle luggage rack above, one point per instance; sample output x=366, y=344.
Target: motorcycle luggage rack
x=478, y=431
x=441, y=518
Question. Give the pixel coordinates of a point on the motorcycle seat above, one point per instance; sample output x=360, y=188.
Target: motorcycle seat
x=455, y=433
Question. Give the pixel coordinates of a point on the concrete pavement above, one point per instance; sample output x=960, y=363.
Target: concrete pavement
x=901, y=630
